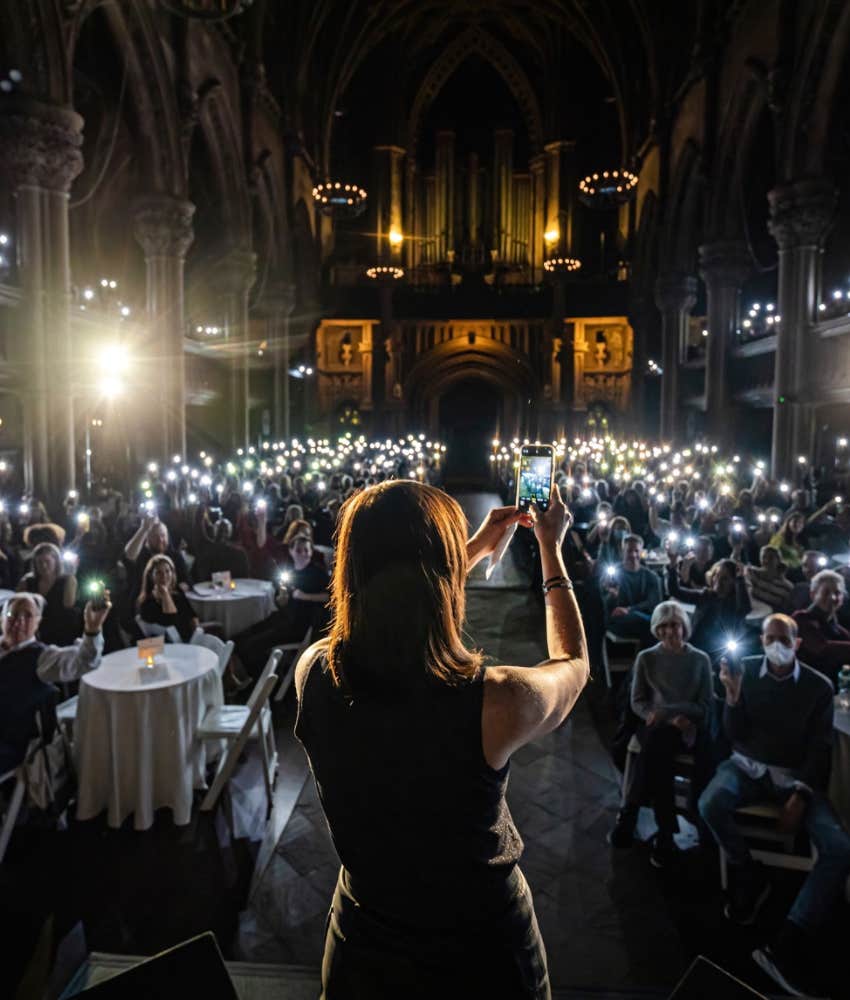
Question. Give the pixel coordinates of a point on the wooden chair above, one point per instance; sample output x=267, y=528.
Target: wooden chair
x=236, y=725
x=296, y=648
x=618, y=665
x=684, y=775
x=14, y=780
x=223, y=650
x=758, y=823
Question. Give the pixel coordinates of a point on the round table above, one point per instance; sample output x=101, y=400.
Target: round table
x=135, y=734
x=252, y=601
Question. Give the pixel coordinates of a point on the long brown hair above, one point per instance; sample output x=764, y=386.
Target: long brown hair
x=147, y=577
x=397, y=595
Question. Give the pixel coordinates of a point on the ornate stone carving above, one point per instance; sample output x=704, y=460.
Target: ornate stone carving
x=802, y=212
x=725, y=262
x=40, y=145
x=163, y=225
x=675, y=291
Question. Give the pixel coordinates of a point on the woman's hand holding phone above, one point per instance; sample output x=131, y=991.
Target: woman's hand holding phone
x=551, y=525
x=486, y=540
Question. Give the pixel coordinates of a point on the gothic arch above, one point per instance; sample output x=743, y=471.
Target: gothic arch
x=223, y=144
x=681, y=229
x=475, y=40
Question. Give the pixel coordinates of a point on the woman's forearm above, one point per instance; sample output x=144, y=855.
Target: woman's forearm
x=564, y=628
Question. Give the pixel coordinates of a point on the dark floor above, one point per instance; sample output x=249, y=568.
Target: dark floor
x=610, y=921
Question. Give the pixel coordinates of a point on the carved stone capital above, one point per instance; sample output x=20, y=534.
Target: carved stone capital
x=40, y=144
x=163, y=225
x=675, y=291
x=725, y=262
x=801, y=213
x=279, y=298
x=235, y=272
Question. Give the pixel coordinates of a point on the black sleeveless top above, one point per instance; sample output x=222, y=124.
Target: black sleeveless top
x=417, y=815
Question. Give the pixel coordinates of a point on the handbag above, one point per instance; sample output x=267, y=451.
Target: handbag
x=47, y=771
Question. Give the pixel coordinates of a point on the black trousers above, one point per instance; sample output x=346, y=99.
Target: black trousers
x=654, y=768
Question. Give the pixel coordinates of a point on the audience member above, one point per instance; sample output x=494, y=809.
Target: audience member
x=671, y=694
x=59, y=625
x=721, y=607
x=767, y=583
x=813, y=562
x=162, y=607
x=631, y=592
x=824, y=644
x=778, y=715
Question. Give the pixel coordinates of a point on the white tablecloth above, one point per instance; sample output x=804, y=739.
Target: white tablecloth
x=251, y=602
x=839, y=781
x=135, y=734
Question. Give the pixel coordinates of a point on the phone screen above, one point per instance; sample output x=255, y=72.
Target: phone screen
x=535, y=477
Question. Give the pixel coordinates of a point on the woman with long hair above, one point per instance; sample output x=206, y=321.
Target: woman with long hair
x=410, y=739
x=162, y=603
x=59, y=622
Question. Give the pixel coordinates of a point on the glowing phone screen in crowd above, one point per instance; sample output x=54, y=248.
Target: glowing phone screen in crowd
x=534, y=484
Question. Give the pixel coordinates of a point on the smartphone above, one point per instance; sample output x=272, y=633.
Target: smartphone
x=732, y=655
x=534, y=483
x=95, y=593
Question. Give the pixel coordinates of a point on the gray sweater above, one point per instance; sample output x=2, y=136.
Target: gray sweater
x=672, y=684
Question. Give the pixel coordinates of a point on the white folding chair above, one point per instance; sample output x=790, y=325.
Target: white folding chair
x=11, y=810
x=236, y=725
x=296, y=648
x=152, y=631
x=758, y=823
x=66, y=717
x=618, y=665
x=223, y=650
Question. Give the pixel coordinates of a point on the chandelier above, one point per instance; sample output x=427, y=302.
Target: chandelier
x=562, y=265
x=607, y=188
x=384, y=272
x=340, y=200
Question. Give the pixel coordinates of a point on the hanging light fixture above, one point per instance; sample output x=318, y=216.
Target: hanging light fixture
x=562, y=265
x=385, y=272
x=607, y=188
x=339, y=200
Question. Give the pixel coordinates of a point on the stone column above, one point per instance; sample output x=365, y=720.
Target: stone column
x=280, y=302
x=561, y=196
x=675, y=295
x=503, y=181
x=40, y=157
x=412, y=223
x=163, y=228
x=800, y=216
x=387, y=200
x=724, y=267
x=538, y=215
x=233, y=277
x=445, y=195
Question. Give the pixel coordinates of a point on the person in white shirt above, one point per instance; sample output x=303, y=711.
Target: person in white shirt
x=28, y=668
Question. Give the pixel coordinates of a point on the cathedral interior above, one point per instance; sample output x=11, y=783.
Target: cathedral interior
x=228, y=225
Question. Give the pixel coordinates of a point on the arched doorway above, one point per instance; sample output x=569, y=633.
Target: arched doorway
x=469, y=415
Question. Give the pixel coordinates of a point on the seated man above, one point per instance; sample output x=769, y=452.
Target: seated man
x=778, y=715
x=813, y=562
x=27, y=668
x=151, y=539
x=768, y=583
x=631, y=592
x=302, y=599
x=672, y=696
x=823, y=642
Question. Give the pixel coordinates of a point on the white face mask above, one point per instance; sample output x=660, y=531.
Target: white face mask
x=779, y=654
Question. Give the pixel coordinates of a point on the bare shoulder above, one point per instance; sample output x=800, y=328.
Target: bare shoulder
x=306, y=661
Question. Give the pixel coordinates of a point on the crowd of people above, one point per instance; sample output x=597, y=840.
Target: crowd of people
x=732, y=587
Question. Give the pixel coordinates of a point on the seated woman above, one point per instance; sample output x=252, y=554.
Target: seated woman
x=789, y=543
x=672, y=696
x=162, y=605
x=721, y=607
x=825, y=644
x=767, y=583
x=59, y=622
x=301, y=602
